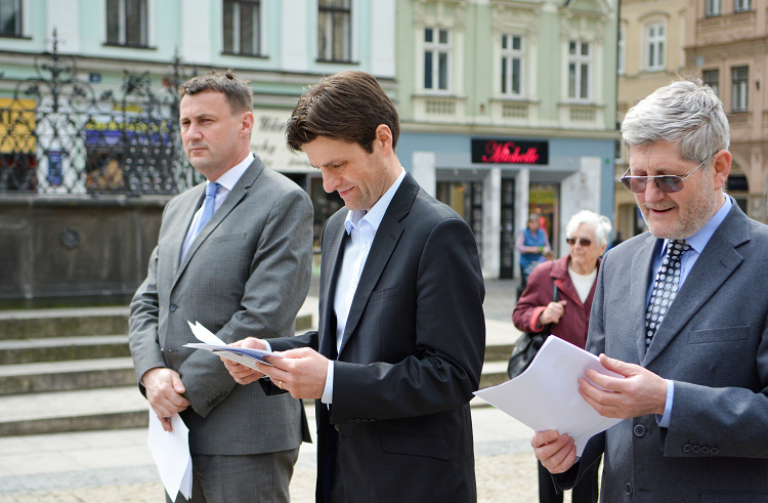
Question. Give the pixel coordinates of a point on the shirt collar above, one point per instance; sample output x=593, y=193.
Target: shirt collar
x=699, y=240
x=376, y=214
x=232, y=175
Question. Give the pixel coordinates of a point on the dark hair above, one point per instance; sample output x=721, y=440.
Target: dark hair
x=237, y=91
x=348, y=106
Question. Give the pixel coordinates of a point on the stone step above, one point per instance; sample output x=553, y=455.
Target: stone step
x=66, y=375
x=19, y=351
x=77, y=322
x=84, y=410
x=494, y=372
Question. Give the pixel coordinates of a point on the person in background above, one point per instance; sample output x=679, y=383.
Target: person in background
x=532, y=243
x=574, y=275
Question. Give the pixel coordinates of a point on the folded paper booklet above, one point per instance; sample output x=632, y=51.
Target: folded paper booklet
x=244, y=356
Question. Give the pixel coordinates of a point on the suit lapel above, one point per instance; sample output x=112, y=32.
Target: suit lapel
x=642, y=261
x=178, y=233
x=384, y=244
x=335, y=256
x=714, y=266
x=239, y=191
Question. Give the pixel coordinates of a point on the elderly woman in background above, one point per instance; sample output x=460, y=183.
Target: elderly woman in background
x=574, y=275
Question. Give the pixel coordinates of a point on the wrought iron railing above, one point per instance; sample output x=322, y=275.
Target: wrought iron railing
x=58, y=137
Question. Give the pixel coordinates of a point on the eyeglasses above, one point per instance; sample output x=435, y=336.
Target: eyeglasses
x=665, y=183
x=584, y=242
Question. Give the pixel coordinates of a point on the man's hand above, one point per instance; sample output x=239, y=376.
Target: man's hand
x=555, y=451
x=164, y=393
x=301, y=371
x=641, y=391
x=240, y=373
x=552, y=313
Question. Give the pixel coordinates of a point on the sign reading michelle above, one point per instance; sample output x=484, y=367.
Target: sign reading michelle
x=486, y=151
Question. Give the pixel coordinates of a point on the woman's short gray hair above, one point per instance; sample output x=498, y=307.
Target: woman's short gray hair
x=600, y=223
x=686, y=112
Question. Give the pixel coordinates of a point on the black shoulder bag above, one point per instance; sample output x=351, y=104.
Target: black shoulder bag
x=527, y=345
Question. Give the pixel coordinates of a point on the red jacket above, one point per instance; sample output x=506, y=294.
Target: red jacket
x=574, y=323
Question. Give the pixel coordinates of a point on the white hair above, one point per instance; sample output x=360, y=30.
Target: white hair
x=686, y=112
x=601, y=224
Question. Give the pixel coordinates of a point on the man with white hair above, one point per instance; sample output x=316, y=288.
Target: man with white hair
x=682, y=314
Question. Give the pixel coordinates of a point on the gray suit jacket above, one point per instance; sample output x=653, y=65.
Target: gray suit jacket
x=713, y=343
x=246, y=274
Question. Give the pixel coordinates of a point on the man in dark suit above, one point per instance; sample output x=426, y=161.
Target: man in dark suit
x=682, y=314
x=235, y=255
x=401, y=334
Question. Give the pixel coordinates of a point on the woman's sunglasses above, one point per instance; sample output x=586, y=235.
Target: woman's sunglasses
x=665, y=183
x=584, y=242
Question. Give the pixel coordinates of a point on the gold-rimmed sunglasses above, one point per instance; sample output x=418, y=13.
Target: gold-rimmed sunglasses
x=665, y=183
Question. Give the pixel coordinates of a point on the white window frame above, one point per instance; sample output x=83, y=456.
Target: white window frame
x=17, y=9
x=655, y=46
x=740, y=89
x=326, y=32
x=122, y=20
x=237, y=19
x=440, y=53
x=621, y=59
x=511, y=57
x=712, y=8
x=710, y=72
x=742, y=5
x=580, y=65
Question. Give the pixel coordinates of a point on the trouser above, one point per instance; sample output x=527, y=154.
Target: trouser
x=584, y=492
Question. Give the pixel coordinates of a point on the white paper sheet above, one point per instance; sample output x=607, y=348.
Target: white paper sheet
x=245, y=356
x=546, y=396
x=170, y=450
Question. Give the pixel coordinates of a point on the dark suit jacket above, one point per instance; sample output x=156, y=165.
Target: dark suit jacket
x=246, y=274
x=713, y=343
x=410, y=359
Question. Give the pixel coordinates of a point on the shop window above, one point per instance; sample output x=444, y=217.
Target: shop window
x=579, y=70
x=10, y=18
x=437, y=59
x=334, y=30
x=511, y=65
x=242, y=27
x=740, y=89
x=127, y=22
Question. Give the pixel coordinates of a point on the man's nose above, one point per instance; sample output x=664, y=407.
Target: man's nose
x=652, y=191
x=330, y=181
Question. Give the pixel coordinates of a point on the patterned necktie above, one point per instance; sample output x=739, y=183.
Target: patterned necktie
x=664, y=287
x=208, y=206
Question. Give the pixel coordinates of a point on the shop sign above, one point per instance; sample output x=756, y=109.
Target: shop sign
x=490, y=151
x=268, y=142
x=17, y=126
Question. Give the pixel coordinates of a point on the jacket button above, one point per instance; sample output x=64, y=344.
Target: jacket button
x=714, y=450
x=705, y=450
x=687, y=448
x=639, y=431
x=172, y=307
x=696, y=449
x=628, y=488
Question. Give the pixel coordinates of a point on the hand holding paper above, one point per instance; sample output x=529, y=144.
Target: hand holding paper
x=242, y=355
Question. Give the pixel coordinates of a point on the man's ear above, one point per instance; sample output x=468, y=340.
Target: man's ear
x=383, y=139
x=722, y=167
x=247, y=122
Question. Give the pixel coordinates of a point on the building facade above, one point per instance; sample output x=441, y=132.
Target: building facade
x=650, y=55
x=508, y=107
x=726, y=47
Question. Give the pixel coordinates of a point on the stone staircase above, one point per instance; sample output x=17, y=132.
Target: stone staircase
x=70, y=369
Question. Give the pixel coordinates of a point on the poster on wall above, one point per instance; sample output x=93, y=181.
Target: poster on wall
x=268, y=142
x=505, y=151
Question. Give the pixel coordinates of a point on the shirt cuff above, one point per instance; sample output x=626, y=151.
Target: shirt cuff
x=665, y=419
x=328, y=391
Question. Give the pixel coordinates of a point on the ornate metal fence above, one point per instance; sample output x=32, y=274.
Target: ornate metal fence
x=58, y=137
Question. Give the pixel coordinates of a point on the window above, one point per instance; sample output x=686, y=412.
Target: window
x=712, y=8
x=579, y=69
x=127, y=22
x=712, y=79
x=511, y=64
x=622, y=47
x=740, y=88
x=10, y=18
x=742, y=5
x=654, y=46
x=242, y=26
x=437, y=48
x=334, y=30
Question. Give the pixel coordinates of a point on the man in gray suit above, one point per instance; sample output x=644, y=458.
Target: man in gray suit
x=682, y=314
x=235, y=255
